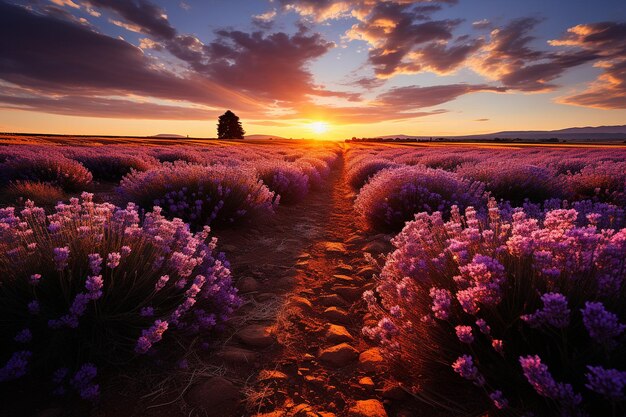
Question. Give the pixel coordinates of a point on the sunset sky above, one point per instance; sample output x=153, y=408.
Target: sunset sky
x=296, y=68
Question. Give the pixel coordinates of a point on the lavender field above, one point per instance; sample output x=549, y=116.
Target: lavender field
x=394, y=279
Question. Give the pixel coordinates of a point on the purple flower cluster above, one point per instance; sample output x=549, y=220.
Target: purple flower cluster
x=286, y=179
x=504, y=286
x=606, y=382
x=542, y=381
x=464, y=366
x=394, y=195
x=122, y=274
x=362, y=169
x=16, y=367
x=83, y=382
x=554, y=312
x=199, y=194
x=603, y=326
x=112, y=165
x=46, y=167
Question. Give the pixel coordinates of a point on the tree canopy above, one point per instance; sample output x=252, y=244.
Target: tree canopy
x=229, y=126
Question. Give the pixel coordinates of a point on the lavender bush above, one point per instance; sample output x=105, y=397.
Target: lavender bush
x=52, y=169
x=90, y=284
x=112, y=166
x=605, y=181
x=360, y=172
x=285, y=179
x=529, y=313
x=394, y=195
x=44, y=194
x=515, y=182
x=201, y=195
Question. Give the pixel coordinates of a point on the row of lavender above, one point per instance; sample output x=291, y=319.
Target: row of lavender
x=394, y=183
x=512, y=311
x=88, y=285
x=213, y=184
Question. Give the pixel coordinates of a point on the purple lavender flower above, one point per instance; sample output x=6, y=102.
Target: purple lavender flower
x=125, y=251
x=484, y=276
x=16, y=367
x=94, y=286
x=82, y=381
x=442, y=300
x=483, y=327
x=464, y=333
x=464, y=366
x=61, y=257
x=161, y=282
x=23, y=336
x=54, y=227
x=146, y=312
x=499, y=400
x=113, y=259
x=498, y=345
x=538, y=375
x=555, y=312
x=607, y=382
x=95, y=263
x=34, y=279
x=602, y=325
x=150, y=336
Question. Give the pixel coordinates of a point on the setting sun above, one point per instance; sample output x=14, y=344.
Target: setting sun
x=319, y=127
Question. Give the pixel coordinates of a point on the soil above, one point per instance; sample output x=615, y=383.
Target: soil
x=295, y=347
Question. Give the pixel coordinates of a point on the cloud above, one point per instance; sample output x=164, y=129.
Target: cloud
x=405, y=40
x=103, y=107
x=406, y=98
x=55, y=56
x=143, y=15
x=368, y=83
x=322, y=10
x=607, y=41
x=272, y=66
x=510, y=58
x=68, y=3
x=264, y=20
x=481, y=24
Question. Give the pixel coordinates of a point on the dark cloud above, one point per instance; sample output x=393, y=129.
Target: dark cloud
x=368, y=83
x=322, y=10
x=150, y=18
x=405, y=40
x=510, y=58
x=422, y=97
x=607, y=41
x=103, y=107
x=272, y=66
x=53, y=55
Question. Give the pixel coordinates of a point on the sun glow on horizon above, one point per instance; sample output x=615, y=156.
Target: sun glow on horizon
x=319, y=128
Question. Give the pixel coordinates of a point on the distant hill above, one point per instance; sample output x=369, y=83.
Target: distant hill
x=572, y=133
x=263, y=137
x=167, y=135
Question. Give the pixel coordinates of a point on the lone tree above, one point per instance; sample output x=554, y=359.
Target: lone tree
x=229, y=126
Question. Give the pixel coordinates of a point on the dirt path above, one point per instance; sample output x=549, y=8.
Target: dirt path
x=297, y=347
